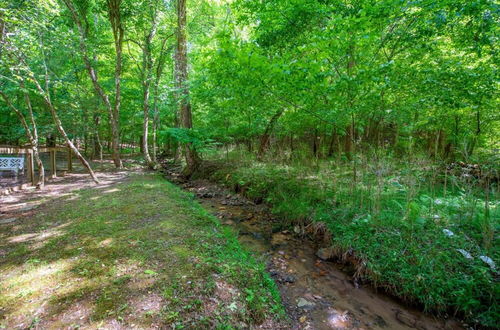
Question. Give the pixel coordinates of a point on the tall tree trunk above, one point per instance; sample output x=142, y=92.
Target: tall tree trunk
x=156, y=119
x=113, y=10
x=472, y=145
x=348, y=141
x=114, y=15
x=147, y=68
x=141, y=146
x=177, y=96
x=315, y=146
x=70, y=144
x=186, y=121
x=39, y=164
x=3, y=32
x=350, y=137
x=160, y=64
x=436, y=144
x=332, y=142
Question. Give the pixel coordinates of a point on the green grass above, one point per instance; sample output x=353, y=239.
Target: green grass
x=389, y=221
x=140, y=252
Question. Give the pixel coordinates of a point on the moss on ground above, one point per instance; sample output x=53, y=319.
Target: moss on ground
x=138, y=253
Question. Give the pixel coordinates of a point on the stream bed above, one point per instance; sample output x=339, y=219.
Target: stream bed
x=317, y=294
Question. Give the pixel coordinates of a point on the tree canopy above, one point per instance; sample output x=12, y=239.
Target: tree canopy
x=398, y=73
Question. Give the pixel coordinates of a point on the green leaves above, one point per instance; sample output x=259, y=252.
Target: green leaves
x=198, y=139
x=150, y=272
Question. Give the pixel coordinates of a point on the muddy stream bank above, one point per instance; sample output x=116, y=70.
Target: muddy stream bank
x=317, y=294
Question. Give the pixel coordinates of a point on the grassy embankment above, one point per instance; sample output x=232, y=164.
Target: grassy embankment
x=407, y=226
x=140, y=253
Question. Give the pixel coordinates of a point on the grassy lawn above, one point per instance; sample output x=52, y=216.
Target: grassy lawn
x=140, y=253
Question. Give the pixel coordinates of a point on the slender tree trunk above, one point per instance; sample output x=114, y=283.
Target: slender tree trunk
x=46, y=98
x=186, y=121
x=70, y=144
x=156, y=119
x=315, y=143
x=348, y=141
x=39, y=164
x=141, y=145
x=98, y=145
x=115, y=19
x=264, y=140
x=156, y=114
x=3, y=32
x=177, y=96
x=473, y=143
x=332, y=142
x=145, y=130
x=114, y=14
x=32, y=135
x=147, y=67
x=436, y=144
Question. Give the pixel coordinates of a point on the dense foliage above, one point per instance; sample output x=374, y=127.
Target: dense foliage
x=404, y=74
x=334, y=74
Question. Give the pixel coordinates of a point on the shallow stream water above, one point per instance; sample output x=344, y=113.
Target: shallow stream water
x=317, y=294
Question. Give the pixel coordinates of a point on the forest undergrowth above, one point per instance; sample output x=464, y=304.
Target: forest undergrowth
x=421, y=230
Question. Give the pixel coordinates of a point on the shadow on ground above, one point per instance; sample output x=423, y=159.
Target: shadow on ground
x=133, y=252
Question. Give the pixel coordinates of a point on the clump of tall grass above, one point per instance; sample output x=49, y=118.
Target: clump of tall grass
x=420, y=230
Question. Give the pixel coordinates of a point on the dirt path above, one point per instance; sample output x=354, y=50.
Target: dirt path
x=317, y=294
x=133, y=253
x=24, y=202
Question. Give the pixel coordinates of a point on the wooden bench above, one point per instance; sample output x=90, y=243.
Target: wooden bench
x=13, y=164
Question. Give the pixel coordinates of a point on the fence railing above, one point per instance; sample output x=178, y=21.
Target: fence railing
x=30, y=166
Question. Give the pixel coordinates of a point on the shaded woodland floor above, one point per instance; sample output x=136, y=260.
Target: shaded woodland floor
x=138, y=252
x=134, y=252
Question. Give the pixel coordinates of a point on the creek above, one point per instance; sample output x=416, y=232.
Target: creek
x=317, y=294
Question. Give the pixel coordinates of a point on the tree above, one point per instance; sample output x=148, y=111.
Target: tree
x=114, y=16
x=18, y=46
x=182, y=85
x=31, y=132
x=152, y=31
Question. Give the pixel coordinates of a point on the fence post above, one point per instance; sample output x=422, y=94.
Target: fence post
x=70, y=160
x=31, y=167
x=53, y=165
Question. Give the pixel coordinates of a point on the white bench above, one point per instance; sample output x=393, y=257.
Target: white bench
x=13, y=164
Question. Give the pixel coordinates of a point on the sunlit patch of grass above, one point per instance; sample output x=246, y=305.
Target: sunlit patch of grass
x=26, y=287
x=139, y=253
